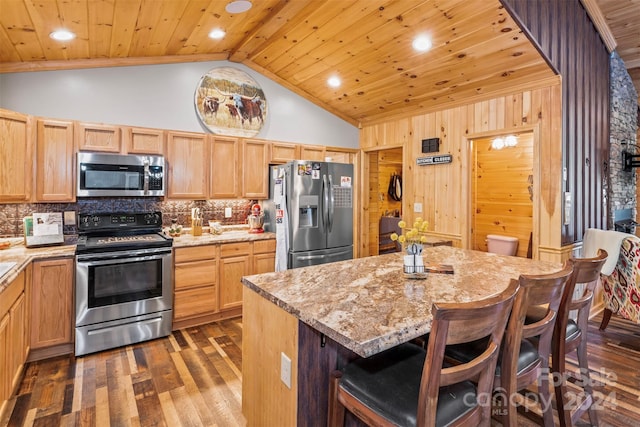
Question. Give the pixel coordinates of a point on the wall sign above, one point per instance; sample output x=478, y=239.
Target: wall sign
x=228, y=101
x=434, y=160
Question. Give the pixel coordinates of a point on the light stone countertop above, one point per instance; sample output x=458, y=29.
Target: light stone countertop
x=367, y=305
x=19, y=254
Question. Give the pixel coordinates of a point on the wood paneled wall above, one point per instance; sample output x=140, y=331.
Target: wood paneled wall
x=444, y=190
x=566, y=36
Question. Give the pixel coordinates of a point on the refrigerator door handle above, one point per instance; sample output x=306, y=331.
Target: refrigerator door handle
x=331, y=203
x=325, y=204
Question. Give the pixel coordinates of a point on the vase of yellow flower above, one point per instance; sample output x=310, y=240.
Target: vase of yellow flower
x=412, y=239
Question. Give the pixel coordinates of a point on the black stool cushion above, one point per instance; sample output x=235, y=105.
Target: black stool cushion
x=466, y=352
x=389, y=384
x=534, y=314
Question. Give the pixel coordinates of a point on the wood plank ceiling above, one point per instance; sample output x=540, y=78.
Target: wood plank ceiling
x=478, y=50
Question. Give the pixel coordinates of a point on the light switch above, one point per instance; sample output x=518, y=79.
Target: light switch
x=227, y=212
x=285, y=369
x=417, y=207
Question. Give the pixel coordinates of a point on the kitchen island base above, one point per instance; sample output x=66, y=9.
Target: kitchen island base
x=269, y=331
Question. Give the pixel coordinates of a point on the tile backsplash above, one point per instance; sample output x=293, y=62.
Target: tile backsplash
x=11, y=214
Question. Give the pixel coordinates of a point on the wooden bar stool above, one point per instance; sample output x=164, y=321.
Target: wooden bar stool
x=526, y=346
x=570, y=334
x=409, y=386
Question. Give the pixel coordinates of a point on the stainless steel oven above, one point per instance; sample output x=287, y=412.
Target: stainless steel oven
x=124, y=281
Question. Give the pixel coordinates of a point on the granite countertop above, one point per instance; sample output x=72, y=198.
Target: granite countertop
x=19, y=256
x=15, y=258
x=230, y=234
x=368, y=305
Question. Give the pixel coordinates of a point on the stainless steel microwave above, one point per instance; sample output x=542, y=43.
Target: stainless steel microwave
x=115, y=175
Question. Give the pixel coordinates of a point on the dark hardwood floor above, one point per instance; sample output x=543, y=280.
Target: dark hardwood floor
x=193, y=378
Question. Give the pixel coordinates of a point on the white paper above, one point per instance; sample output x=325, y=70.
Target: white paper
x=47, y=224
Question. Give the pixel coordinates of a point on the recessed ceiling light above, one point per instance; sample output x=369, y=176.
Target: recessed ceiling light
x=334, y=81
x=62, y=35
x=238, y=6
x=217, y=34
x=422, y=43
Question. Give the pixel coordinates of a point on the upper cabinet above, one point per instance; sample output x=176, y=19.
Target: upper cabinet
x=225, y=167
x=255, y=169
x=55, y=165
x=283, y=152
x=98, y=137
x=312, y=152
x=188, y=160
x=16, y=157
x=143, y=140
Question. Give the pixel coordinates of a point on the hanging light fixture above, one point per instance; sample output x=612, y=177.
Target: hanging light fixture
x=511, y=141
x=497, y=144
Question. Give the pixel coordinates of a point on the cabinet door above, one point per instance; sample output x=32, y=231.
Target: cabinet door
x=5, y=360
x=264, y=263
x=143, y=141
x=231, y=271
x=98, y=137
x=188, y=160
x=52, y=303
x=340, y=156
x=312, y=152
x=16, y=157
x=255, y=169
x=283, y=152
x=55, y=162
x=17, y=343
x=225, y=161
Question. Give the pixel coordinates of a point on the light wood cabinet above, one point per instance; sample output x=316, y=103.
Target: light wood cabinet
x=196, y=292
x=98, y=137
x=16, y=157
x=188, y=161
x=341, y=156
x=143, y=140
x=264, y=256
x=312, y=152
x=283, y=152
x=225, y=162
x=235, y=262
x=52, y=303
x=255, y=169
x=55, y=161
x=13, y=339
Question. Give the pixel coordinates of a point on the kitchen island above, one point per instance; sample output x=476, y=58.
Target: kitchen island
x=320, y=317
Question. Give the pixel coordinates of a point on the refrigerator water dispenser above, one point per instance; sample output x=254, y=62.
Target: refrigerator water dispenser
x=308, y=211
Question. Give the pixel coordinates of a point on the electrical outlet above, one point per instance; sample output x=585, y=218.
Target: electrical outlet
x=69, y=218
x=227, y=212
x=417, y=207
x=285, y=370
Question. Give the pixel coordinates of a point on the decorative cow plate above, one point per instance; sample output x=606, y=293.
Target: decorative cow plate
x=230, y=102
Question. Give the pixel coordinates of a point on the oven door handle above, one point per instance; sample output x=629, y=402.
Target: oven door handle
x=102, y=259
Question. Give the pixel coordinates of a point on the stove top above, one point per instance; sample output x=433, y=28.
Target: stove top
x=109, y=232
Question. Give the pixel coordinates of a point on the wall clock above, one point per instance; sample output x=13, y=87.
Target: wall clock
x=230, y=102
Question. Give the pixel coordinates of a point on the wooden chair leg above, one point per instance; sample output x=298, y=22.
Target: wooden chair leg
x=335, y=417
x=544, y=394
x=583, y=364
x=606, y=316
x=560, y=388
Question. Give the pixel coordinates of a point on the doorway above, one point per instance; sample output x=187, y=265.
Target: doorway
x=381, y=166
x=502, y=191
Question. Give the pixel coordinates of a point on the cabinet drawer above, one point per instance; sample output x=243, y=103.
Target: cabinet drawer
x=194, y=253
x=234, y=249
x=194, y=302
x=195, y=274
x=264, y=246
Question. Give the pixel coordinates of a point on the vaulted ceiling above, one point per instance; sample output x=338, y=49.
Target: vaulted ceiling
x=478, y=50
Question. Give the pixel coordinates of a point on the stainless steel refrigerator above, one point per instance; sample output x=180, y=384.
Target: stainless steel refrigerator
x=319, y=208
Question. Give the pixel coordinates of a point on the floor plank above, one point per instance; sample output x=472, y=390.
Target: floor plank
x=194, y=378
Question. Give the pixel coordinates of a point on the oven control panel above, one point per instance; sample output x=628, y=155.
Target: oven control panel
x=87, y=222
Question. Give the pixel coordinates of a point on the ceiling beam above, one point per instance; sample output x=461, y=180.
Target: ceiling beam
x=600, y=22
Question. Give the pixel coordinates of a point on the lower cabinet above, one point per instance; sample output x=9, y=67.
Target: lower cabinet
x=196, y=285
x=14, y=345
x=52, y=308
x=207, y=279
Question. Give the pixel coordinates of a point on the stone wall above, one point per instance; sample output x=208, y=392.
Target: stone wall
x=623, y=137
